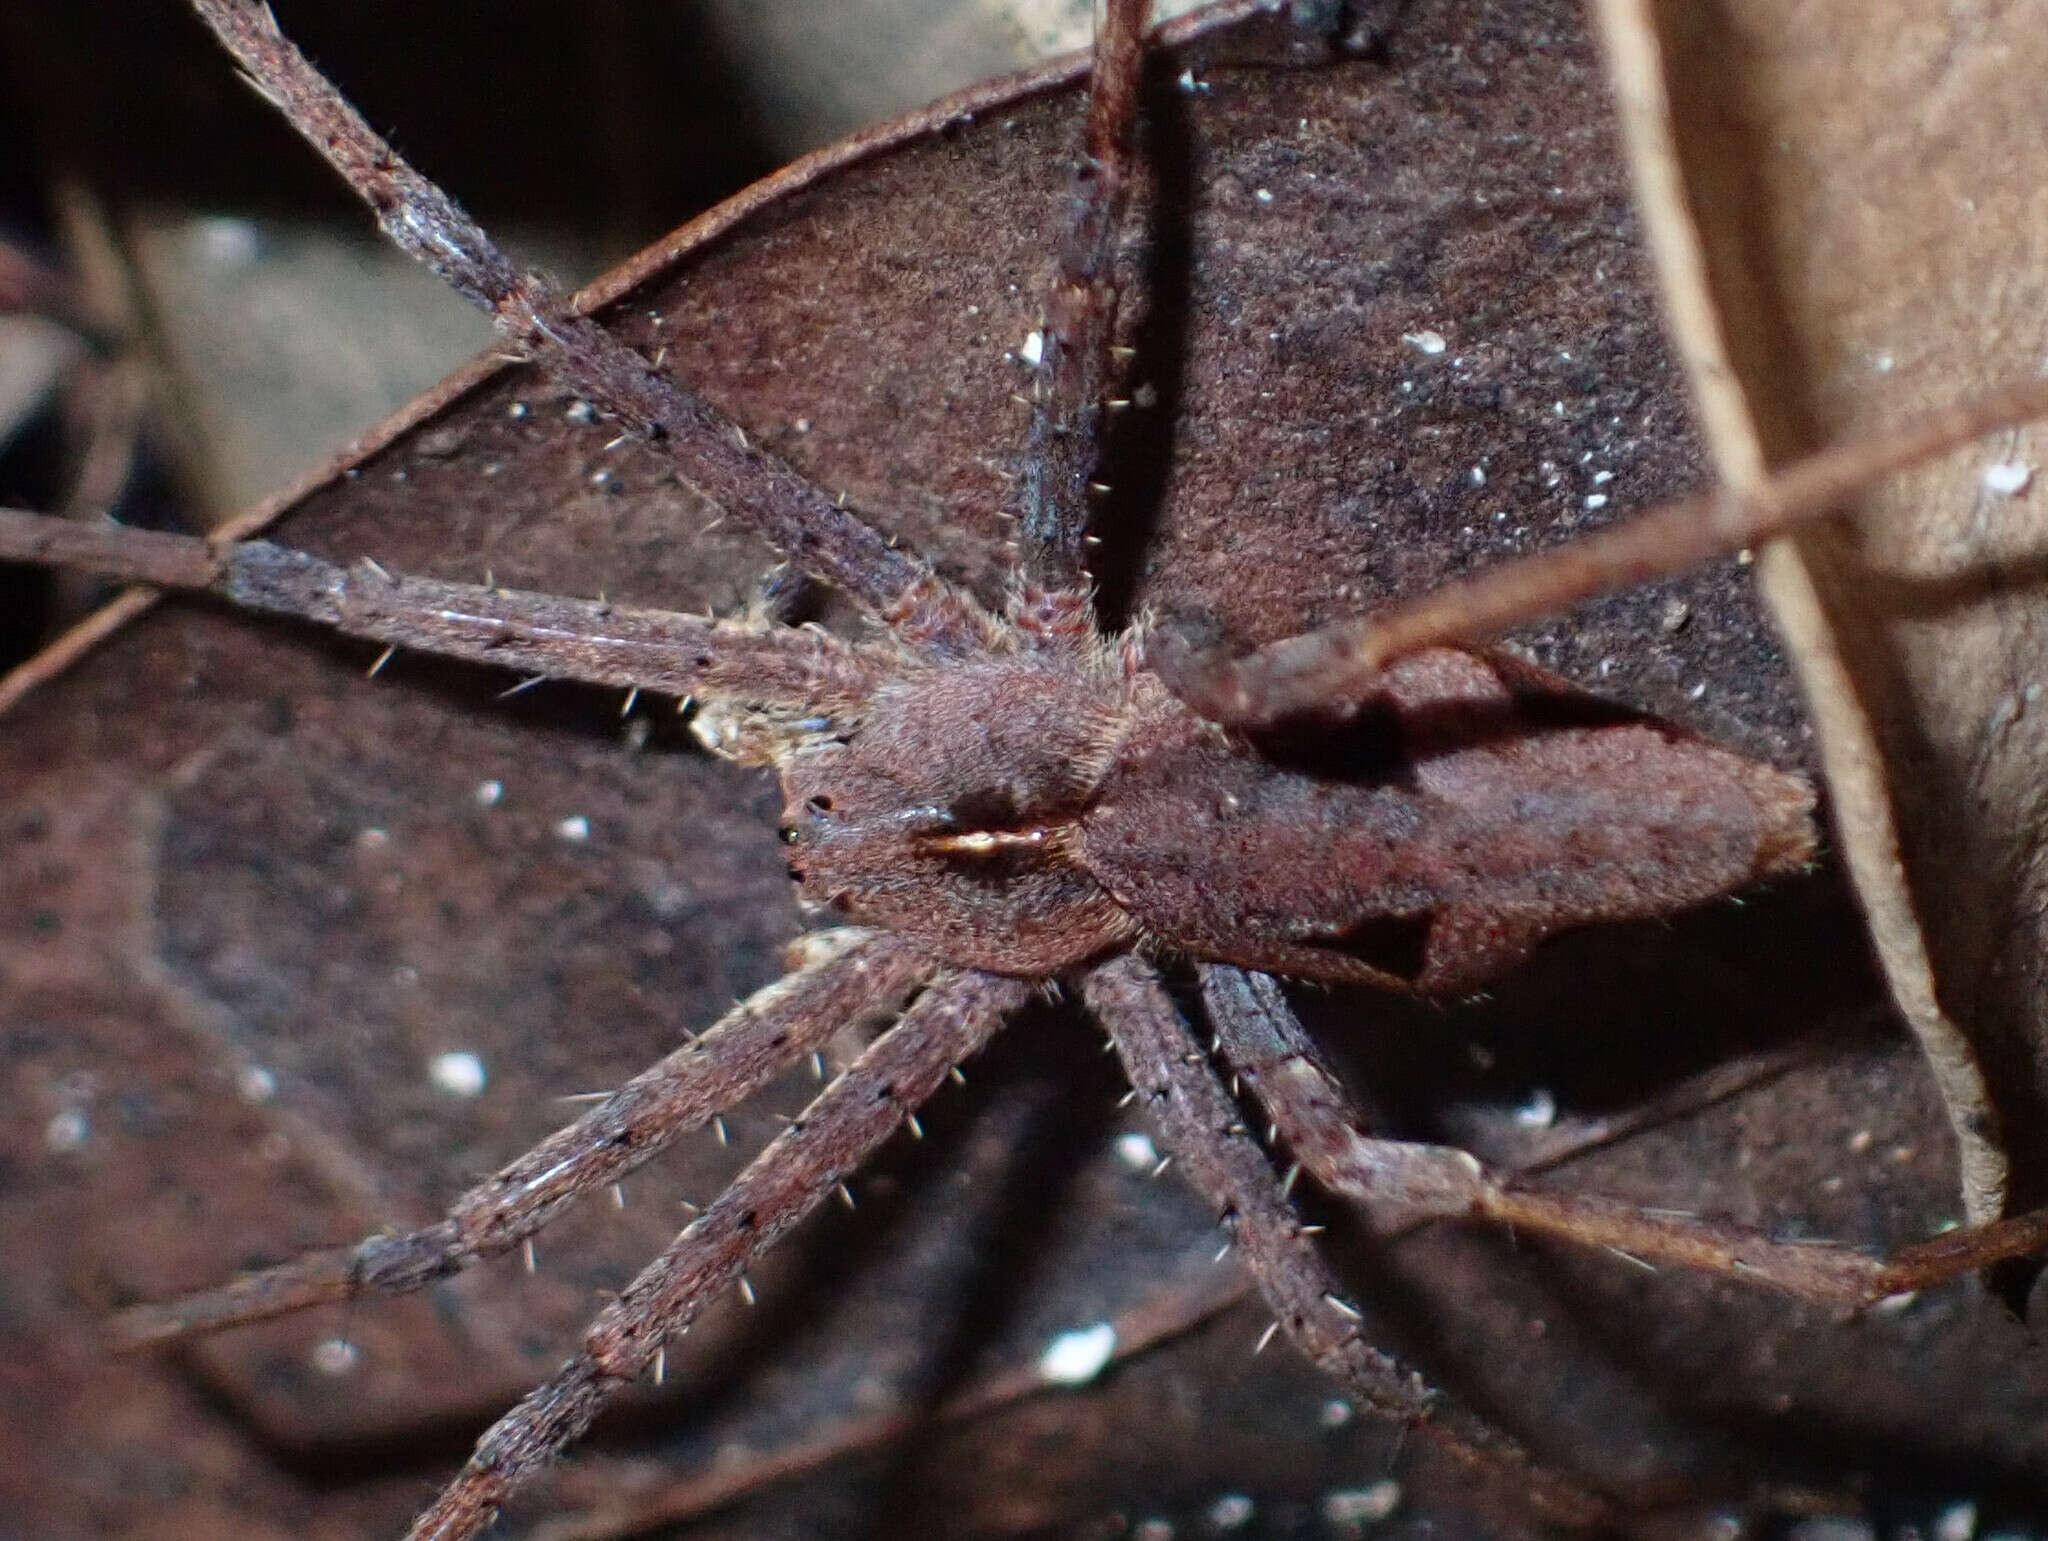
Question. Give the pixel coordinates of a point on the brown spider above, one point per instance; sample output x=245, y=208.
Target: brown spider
x=998, y=800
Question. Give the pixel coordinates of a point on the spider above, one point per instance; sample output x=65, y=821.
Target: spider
x=997, y=799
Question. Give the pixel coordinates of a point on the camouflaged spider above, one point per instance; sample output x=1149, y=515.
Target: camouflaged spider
x=1000, y=799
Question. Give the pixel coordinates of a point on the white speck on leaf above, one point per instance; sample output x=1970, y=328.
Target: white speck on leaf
x=1136, y=1151
x=1076, y=1358
x=2010, y=477
x=1233, y=1511
x=459, y=1073
x=1366, y=1505
x=336, y=1356
x=1958, y=1522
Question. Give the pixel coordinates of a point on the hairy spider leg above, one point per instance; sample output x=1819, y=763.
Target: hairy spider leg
x=831, y=1139
x=1203, y=1130
x=801, y=673
x=856, y=979
x=1064, y=448
x=1398, y=1183
x=711, y=452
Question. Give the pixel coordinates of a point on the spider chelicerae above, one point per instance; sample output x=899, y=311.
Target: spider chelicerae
x=994, y=799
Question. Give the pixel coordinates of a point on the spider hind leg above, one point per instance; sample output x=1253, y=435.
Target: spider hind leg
x=832, y=1138
x=855, y=978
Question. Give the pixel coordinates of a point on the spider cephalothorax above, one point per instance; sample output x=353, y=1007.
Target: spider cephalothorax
x=951, y=811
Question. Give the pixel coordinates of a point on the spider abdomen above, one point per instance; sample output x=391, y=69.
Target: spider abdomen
x=1430, y=841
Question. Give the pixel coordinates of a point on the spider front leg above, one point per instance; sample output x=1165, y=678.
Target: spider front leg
x=1398, y=1183
x=1065, y=443
x=1203, y=1131
x=840, y=1129
x=707, y=450
x=802, y=673
x=858, y=978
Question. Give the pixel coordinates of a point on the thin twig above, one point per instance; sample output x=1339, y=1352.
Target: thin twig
x=1341, y=663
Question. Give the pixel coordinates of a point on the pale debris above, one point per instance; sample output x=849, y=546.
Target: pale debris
x=1076, y=1358
x=1539, y=1112
x=1366, y=1505
x=2008, y=477
x=459, y=1073
x=1958, y=1522
x=336, y=1356
x=1136, y=1151
x=1233, y=1511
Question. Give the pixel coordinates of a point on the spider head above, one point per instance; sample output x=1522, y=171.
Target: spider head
x=949, y=814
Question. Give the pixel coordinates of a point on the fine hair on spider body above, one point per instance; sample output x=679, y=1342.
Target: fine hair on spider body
x=989, y=802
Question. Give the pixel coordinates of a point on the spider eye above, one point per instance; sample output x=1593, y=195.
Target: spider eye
x=786, y=833
x=819, y=804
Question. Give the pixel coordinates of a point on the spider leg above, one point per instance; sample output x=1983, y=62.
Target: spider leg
x=593, y=641
x=843, y=1125
x=1398, y=1182
x=1339, y=663
x=861, y=978
x=709, y=451
x=1074, y=367
x=1203, y=1130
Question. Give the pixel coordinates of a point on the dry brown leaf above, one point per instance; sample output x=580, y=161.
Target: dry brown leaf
x=259, y=897
x=1870, y=251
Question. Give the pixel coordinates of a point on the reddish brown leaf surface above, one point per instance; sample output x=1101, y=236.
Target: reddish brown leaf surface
x=253, y=897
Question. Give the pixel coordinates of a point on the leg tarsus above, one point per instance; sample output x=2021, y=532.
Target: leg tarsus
x=1398, y=1183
